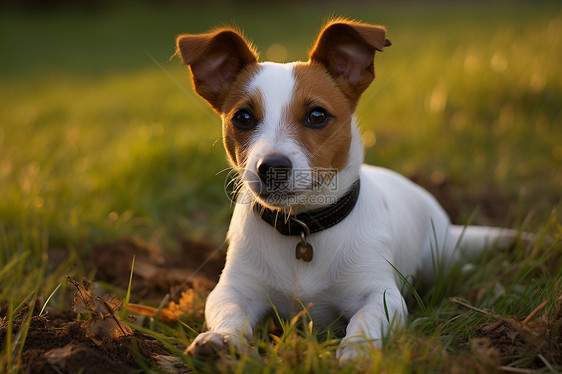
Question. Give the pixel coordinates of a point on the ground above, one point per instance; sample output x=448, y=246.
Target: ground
x=57, y=341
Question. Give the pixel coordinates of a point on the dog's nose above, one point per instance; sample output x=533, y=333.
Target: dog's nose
x=274, y=167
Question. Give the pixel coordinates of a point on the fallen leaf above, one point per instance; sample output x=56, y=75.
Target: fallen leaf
x=149, y=311
x=188, y=303
x=103, y=323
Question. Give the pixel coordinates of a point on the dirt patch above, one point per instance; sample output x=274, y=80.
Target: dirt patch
x=512, y=337
x=57, y=343
x=198, y=265
x=539, y=339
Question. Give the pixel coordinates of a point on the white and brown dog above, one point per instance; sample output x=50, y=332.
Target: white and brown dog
x=312, y=224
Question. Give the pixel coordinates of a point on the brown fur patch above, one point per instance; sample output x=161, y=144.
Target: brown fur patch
x=235, y=140
x=215, y=59
x=327, y=147
x=347, y=50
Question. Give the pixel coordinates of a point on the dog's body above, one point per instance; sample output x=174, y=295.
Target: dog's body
x=295, y=117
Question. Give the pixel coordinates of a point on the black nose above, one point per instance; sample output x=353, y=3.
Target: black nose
x=274, y=167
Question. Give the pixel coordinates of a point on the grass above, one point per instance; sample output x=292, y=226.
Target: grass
x=102, y=137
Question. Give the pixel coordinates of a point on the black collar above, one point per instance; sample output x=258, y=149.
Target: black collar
x=315, y=220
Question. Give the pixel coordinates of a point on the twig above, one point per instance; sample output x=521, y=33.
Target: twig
x=534, y=312
x=112, y=313
x=473, y=308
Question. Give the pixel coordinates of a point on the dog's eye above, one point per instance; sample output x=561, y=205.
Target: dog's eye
x=244, y=120
x=317, y=117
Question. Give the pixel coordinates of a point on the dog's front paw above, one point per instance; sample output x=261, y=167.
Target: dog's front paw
x=348, y=352
x=351, y=349
x=210, y=343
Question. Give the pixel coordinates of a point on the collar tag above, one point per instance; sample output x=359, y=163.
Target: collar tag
x=304, y=249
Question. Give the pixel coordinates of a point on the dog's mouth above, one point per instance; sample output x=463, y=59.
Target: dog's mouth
x=288, y=197
x=278, y=198
x=281, y=197
x=274, y=194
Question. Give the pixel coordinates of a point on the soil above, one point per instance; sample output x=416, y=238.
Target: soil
x=57, y=343
x=511, y=337
x=197, y=264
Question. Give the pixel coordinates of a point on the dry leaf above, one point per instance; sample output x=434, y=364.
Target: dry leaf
x=103, y=323
x=189, y=303
x=149, y=311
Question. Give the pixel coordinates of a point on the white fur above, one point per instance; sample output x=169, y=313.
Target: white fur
x=274, y=82
x=394, y=222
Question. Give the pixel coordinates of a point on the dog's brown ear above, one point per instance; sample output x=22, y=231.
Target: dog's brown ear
x=347, y=51
x=215, y=59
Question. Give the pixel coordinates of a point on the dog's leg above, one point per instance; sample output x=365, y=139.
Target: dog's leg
x=231, y=316
x=371, y=323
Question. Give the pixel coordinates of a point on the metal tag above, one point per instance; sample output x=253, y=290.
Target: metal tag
x=304, y=251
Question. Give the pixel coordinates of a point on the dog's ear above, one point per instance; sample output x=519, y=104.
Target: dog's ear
x=215, y=59
x=347, y=51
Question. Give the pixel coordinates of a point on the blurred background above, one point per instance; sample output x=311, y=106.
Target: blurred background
x=101, y=135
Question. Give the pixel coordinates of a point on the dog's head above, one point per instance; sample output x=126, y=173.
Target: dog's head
x=288, y=128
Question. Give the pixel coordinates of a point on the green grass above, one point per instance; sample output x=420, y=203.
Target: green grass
x=102, y=137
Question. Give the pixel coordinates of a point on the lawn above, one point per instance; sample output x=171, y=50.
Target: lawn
x=102, y=138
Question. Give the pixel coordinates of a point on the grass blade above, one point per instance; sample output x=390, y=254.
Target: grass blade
x=409, y=287
x=49, y=298
x=128, y=295
x=385, y=306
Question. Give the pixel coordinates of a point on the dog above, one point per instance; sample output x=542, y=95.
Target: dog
x=312, y=225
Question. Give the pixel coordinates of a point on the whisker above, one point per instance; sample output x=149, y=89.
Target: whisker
x=229, y=168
